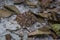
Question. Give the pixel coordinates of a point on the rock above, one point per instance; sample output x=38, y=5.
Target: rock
x=22, y=8
x=2, y=38
x=18, y=1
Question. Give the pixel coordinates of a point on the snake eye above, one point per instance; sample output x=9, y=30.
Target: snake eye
x=38, y=25
x=49, y=12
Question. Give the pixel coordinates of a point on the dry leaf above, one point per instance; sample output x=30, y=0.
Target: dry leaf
x=5, y=13
x=12, y=8
x=45, y=3
x=39, y=32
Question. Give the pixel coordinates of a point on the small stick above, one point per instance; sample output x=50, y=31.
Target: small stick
x=8, y=37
